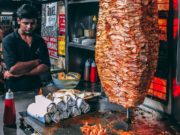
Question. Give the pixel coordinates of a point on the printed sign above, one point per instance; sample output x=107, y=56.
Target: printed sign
x=51, y=13
x=51, y=43
x=61, y=45
x=6, y=20
x=62, y=24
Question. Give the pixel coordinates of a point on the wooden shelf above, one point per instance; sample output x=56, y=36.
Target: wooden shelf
x=86, y=47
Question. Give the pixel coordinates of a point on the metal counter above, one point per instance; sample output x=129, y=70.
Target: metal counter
x=110, y=116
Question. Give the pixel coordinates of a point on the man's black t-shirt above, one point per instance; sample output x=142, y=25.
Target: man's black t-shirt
x=17, y=50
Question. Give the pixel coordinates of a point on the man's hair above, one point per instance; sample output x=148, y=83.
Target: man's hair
x=27, y=11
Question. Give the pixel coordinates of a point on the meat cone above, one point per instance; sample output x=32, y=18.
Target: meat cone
x=126, y=52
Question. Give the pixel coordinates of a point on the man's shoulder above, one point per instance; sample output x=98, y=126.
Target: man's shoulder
x=9, y=37
x=38, y=37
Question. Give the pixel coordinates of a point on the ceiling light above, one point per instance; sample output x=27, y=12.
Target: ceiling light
x=6, y=13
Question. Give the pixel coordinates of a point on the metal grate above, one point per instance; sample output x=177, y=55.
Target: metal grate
x=158, y=88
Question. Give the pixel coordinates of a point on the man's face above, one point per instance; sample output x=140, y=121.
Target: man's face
x=27, y=26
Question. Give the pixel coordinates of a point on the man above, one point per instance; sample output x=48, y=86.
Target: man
x=25, y=53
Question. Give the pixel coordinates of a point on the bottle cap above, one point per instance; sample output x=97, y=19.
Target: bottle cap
x=9, y=95
x=93, y=64
x=87, y=63
x=94, y=18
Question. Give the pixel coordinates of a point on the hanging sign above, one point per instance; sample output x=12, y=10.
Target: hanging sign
x=51, y=12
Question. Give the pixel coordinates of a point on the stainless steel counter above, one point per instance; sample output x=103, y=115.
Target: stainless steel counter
x=22, y=100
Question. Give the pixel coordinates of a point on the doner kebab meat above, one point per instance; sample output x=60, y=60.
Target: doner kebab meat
x=126, y=50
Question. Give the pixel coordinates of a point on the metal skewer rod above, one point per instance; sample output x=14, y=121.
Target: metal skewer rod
x=127, y=113
x=128, y=116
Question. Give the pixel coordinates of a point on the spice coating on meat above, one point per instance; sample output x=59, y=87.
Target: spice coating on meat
x=126, y=52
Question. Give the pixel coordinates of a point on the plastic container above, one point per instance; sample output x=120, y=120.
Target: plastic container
x=89, y=33
x=9, y=109
x=93, y=73
x=86, y=70
x=94, y=25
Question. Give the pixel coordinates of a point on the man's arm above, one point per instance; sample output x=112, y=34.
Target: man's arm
x=24, y=67
x=35, y=71
x=38, y=70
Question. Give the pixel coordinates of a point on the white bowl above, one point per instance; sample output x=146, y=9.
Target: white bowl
x=65, y=84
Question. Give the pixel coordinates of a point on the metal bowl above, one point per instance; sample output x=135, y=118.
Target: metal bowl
x=77, y=40
x=65, y=84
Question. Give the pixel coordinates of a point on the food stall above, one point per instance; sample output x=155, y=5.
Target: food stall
x=103, y=117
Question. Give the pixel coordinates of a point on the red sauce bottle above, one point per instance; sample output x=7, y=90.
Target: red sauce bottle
x=9, y=109
x=93, y=73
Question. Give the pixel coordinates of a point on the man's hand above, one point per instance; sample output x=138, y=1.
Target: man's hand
x=8, y=75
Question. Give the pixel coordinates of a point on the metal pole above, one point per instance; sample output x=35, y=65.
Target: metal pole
x=128, y=116
x=66, y=36
x=127, y=113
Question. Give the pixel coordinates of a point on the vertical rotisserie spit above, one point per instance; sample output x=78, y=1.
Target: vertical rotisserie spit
x=127, y=49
